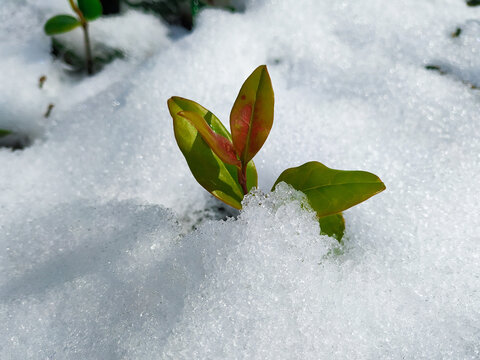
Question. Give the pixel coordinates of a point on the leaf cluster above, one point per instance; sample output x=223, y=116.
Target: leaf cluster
x=222, y=161
x=86, y=10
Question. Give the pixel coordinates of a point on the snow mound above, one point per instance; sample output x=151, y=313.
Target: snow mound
x=118, y=276
x=275, y=288
x=91, y=276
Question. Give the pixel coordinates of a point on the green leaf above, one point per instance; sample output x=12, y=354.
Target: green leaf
x=91, y=9
x=217, y=177
x=251, y=117
x=4, y=132
x=333, y=225
x=60, y=24
x=331, y=191
x=221, y=146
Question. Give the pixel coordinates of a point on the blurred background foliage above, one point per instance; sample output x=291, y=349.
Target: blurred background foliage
x=174, y=12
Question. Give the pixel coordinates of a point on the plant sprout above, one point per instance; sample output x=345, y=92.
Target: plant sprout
x=86, y=10
x=222, y=162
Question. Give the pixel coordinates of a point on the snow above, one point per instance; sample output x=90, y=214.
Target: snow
x=110, y=250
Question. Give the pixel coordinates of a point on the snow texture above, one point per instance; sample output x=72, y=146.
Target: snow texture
x=109, y=249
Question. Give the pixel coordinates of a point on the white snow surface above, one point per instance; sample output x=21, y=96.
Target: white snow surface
x=106, y=250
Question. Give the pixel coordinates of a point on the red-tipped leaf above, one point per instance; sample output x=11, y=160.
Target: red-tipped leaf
x=251, y=117
x=217, y=177
x=221, y=146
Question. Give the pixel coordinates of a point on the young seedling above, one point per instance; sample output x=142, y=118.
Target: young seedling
x=222, y=162
x=86, y=10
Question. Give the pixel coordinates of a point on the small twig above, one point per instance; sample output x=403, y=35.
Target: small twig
x=443, y=71
x=41, y=81
x=456, y=33
x=49, y=110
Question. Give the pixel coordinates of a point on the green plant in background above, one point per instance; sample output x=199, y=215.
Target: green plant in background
x=4, y=132
x=222, y=162
x=181, y=12
x=13, y=140
x=86, y=10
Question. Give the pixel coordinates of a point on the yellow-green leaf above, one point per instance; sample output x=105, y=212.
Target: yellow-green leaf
x=331, y=191
x=333, y=225
x=217, y=177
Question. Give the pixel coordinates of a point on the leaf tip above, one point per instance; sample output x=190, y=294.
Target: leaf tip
x=384, y=187
x=265, y=70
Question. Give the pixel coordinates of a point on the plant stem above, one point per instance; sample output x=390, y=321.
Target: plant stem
x=88, y=51
x=242, y=178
